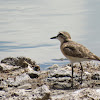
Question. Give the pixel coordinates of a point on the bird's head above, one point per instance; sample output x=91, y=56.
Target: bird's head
x=62, y=36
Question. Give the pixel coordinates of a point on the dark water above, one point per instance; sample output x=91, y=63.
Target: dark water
x=27, y=25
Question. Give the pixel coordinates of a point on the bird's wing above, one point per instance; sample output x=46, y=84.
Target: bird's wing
x=77, y=50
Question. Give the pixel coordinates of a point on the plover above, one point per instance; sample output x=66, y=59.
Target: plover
x=74, y=52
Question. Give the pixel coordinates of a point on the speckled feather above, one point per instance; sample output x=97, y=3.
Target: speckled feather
x=73, y=49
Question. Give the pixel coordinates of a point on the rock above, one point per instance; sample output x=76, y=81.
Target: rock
x=61, y=85
x=36, y=68
x=88, y=93
x=9, y=61
x=6, y=68
x=11, y=82
x=33, y=74
x=2, y=87
x=28, y=60
x=60, y=72
x=20, y=61
x=18, y=80
x=96, y=75
x=82, y=94
x=87, y=74
x=2, y=93
x=55, y=66
x=30, y=69
x=24, y=64
x=41, y=93
x=64, y=74
x=22, y=78
x=20, y=94
x=1, y=68
x=61, y=78
x=25, y=86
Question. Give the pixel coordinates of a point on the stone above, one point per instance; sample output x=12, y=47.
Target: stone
x=33, y=74
x=20, y=94
x=41, y=93
x=1, y=68
x=61, y=72
x=25, y=86
x=2, y=93
x=9, y=61
x=96, y=75
x=7, y=68
x=30, y=69
x=90, y=94
x=2, y=87
x=19, y=61
x=18, y=80
x=36, y=68
x=59, y=79
x=60, y=85
x=55, y=66
x=82, y=94
x=24, y=64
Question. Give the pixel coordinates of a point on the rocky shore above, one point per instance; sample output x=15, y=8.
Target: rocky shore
x=22, y=79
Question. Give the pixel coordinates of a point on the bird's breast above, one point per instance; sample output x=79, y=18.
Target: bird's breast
x=61, y=48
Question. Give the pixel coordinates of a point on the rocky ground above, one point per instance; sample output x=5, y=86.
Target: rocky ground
x=22, y=79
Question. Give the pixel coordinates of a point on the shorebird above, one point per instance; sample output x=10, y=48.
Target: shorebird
x=74, y=52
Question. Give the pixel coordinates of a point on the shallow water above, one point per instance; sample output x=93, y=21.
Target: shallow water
x=27, y=25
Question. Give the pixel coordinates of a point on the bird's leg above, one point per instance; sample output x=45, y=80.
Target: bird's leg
x=72, y=75
x=81, y=72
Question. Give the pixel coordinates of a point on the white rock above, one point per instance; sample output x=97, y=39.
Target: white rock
x=82, y=94
x=25, y=86
x=61, y=72
x=30, y=68
x=6, y=67
x=18, y=80
x=41, y=93
x=55, y=66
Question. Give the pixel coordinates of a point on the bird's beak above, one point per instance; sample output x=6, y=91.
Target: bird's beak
x=53, y=37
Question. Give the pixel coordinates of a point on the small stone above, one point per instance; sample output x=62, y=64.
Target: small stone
x=18, y=92
x=2, y=93
x=61, y=73
x=33, y=74
x=1, y=68
x=24, y=64
x=2, y=87
x=62, y=86
x=96, y=76
x=18, y=80
x=36, y=68
x=9, y=61
x=41, y=93
x=55, y=66
x=5, y=67
x=25, y=86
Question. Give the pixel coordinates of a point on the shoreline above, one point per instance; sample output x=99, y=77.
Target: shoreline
x=21, y=78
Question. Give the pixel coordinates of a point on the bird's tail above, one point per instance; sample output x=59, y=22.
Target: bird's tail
x=97, y=58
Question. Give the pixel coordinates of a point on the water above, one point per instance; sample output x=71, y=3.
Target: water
x=27, y=25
